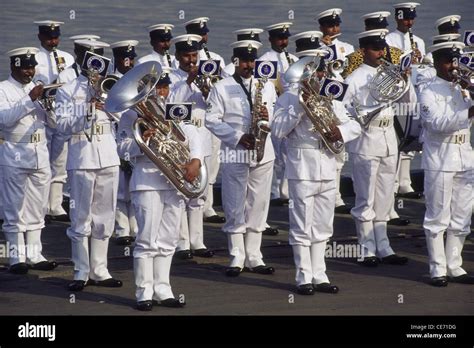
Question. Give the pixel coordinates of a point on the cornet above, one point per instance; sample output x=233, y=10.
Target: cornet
x=47, y=101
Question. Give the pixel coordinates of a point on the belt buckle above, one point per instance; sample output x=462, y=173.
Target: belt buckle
x=384, y=122
x=460, y=139
x=98, y=129
x=35, y=138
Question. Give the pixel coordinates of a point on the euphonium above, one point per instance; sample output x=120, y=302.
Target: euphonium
x=168, y=148
x=336, y=67
x=318, y=108
x=259, y=127
x=386, y=87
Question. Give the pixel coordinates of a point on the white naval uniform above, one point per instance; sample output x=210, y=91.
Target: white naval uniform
x=158, y=208
x=192, y=229
x=1, y=174
x=246, y=184
x=156, y=57
x=47, y=71
x=69, y=74
x=311, y=173
x=448, y=162
x=125, y=221
x=93, y=175
x=24, y=159
x=374, y=165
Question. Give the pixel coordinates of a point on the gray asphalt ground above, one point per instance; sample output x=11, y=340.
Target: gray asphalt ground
x=385, y=290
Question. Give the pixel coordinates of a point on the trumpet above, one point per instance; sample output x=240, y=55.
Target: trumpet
x=47, y=101
x=464, y=76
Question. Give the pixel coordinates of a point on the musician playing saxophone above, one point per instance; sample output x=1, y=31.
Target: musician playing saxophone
x=374, y=156
x=246, y=183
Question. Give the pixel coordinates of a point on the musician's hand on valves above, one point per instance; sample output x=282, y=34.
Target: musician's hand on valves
x=417, y=56
x=247, y=141
x=191, y=170
x=36, y=92
x=192, y=74
x=334, y=135
x=264, y=113
x=148, y=134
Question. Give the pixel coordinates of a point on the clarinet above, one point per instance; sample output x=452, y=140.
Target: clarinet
x=287, y=55
x=414, y=46
x=206, y=50
x=59, y=62
x=168, y=58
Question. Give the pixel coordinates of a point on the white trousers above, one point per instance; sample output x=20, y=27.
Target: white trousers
x=403, y=179
x=158, y=216
x=1, y=196
x=191, y=232
x=125, y=221
x=244, y=249
x=449, y=200
x=245, y=192
x=340, y=159
x=213, y=165
x=310, y=263
x=58, y=157
x=279, y=182
x=92, y=211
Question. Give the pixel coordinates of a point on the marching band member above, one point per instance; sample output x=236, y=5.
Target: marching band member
x=311, y=172
x=246, y=184
x=24, y=163
x=448, y=163
x=330, y=25
x=374, y=157
x=184, y=89
x=160, y=40
x=92, y=166
x=125, y=221
x=158, y=206
x=51, y=61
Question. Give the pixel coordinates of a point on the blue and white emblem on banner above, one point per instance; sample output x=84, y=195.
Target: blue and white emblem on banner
x=333, y=89
x=332, y=53
x=209, y=67
x=469, y=38
x=178, y=111
x=266, y=68
x=96, y=63
x=405, y=61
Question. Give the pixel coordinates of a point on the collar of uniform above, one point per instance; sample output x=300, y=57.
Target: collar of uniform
x=157, y=54
x=16, y=83
x=402, y=34
x=369, y=68
x=45, y=51
x=445, y=83
x=181, y=72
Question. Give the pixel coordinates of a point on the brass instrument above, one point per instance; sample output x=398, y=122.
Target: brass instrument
x=318, y=108
x=259, y=127
x=387, y=87
x=60, y=62
x=47, y=101
x=464, y=75
x=336, y=67
x=168, y=148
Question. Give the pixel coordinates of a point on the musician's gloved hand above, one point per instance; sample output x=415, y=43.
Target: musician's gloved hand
x=191, y=170
x=247, y=141
x=192, y=74
x=36, y=92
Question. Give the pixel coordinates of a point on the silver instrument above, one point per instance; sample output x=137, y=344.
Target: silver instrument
x=47, y=101
x=318, y=108
x=167, y=148
x=387, y=87
x=336, y=67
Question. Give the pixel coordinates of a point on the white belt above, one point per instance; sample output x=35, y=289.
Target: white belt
x=381, y=122
x=309, y=143
x=459, y=138
x=38, y=136
x=98, y=129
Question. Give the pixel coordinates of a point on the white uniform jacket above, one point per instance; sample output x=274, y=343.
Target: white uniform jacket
x=23, y=124
x=47, y=70
x=444, y=114
x=156, y=57
x=72, y=110
x=305, y=160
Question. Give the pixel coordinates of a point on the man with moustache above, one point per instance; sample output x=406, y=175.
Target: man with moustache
x=160, y=41
x=330, y=25
x=246, y=183
x=25, y=163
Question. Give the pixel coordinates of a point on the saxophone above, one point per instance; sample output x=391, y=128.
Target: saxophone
x=259, y=127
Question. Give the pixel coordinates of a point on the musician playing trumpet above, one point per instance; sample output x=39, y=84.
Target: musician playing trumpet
x=374, y=154
x=311, y=172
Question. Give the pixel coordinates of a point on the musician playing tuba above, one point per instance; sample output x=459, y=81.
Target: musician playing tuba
x=311, y=167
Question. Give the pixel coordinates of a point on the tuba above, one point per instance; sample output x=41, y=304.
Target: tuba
x=387, y=87
x=318, y=108
x=167, y=149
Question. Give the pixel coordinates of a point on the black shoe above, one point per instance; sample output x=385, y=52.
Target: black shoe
x=170, y=302
x=19, y=268
x=305, y=289
x=398, y=222
x=215, y=219
x=269, y=231
x=277, y=202
x=261, y=269
x=77, y=285
x=462, y=279
x=327, y=288
x=44, y=266
x=144, y=306
x=233, y=271
x=107, y=283
x=203, y=253
x=184, y=255
x=394, y=259
x=439, y=281
x=370, y=261
x=61, y=218
x=343, y=209
x=412, y=195
x=124, y=241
